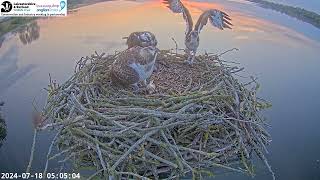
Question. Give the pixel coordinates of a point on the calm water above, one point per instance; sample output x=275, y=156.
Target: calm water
x=281, y=51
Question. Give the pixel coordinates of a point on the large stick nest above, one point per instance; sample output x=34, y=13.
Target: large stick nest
x=199, y=119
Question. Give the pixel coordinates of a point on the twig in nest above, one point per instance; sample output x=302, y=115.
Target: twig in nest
x=175, y=42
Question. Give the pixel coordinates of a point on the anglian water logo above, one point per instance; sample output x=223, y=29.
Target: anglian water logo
x=6, y=6
x=62, y=5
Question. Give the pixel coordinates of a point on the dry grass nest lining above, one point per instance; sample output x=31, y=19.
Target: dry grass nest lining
x=200, y=120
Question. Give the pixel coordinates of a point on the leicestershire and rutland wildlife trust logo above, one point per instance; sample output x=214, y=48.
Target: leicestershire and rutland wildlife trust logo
x=32, y=8
x=6, y=6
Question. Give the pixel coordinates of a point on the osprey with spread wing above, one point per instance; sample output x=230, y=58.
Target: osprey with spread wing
x=216, y=17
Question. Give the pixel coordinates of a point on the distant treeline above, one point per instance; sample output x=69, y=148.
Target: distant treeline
x=296, y=12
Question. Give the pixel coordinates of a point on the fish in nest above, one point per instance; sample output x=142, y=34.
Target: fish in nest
x=216, y=17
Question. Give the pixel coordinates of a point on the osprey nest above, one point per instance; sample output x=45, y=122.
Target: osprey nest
x=200, y=120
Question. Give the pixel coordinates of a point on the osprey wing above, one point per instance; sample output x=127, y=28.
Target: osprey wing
x=121, y=71
x=217, y=19
x=176, y=6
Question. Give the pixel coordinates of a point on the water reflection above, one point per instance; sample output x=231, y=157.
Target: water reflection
x=29, y=33
x=99, y=40
x=3, y=127
x=2, y=38
x=10, y=72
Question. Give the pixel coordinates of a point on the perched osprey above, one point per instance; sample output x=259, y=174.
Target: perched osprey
x=134, y=65
x=216, y=17
x=142, y=39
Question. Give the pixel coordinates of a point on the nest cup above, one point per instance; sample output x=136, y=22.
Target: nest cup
x=200, y=120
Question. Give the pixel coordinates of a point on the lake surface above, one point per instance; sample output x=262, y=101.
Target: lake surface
x=282, y=51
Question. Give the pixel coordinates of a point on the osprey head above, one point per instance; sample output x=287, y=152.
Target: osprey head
x=148, y=39
x=194, y=34
x=142, y=39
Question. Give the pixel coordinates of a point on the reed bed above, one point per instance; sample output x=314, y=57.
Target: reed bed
x=199, y=120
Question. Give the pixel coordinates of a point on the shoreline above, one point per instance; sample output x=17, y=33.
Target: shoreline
x=298, y=13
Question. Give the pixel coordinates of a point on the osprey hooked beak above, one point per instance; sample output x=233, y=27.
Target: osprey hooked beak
x=125, y=37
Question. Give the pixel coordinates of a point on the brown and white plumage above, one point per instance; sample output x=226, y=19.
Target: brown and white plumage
x=142, y=39
x=134, y=65
x=216, y=17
